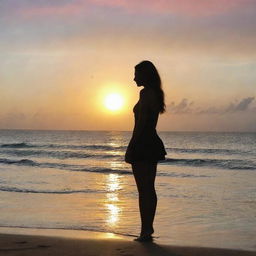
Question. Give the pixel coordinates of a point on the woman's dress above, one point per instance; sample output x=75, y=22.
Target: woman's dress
x=145, y=144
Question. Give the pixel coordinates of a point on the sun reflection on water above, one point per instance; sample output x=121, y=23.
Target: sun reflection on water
x=113, y=214
x=112, y=207
x=112, y=197
x=116, y=164
x=113, y=183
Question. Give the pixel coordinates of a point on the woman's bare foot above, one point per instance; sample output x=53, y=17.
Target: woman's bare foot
x=146, y=238
x=147, y=232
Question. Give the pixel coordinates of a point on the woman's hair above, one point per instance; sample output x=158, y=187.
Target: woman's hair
x=152, y=80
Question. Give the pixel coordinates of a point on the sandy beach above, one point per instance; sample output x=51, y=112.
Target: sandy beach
x=63, y=242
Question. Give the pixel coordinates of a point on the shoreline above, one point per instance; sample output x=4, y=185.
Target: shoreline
x=61, y=232
x=26, y=241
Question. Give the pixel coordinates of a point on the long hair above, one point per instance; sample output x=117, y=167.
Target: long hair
x=152, y=80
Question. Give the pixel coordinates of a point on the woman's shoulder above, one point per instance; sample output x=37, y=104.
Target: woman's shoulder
x=147, y=92
x=149, y=95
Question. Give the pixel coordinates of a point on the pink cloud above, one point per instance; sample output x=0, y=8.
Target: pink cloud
x=70, y=9
x=185, y=7
x=175, y=7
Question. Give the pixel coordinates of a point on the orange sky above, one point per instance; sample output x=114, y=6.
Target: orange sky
x=60, y=58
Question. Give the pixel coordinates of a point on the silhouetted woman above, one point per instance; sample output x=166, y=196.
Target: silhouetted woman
x=146, y=148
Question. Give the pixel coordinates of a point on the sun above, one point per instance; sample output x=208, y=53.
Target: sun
x=114, y=101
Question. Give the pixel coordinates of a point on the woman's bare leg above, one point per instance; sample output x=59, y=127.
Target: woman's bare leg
x=144, y=174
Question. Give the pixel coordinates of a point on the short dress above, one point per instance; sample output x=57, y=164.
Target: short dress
x=148, y=147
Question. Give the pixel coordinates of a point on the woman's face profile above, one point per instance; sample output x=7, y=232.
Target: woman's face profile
x=138, y=78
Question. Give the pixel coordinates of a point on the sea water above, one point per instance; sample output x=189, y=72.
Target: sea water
x=78, y=180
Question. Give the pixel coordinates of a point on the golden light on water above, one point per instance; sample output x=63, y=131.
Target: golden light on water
x=112, y=197
x=114, y=101
x=112, y=207
x=113, y=182
x=113, y=216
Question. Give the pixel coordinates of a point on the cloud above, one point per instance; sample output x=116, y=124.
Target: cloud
x=183, y=107
x=241, y=105
x=103, y=22
x=199, y=8
x=187, y=7
x=54, y=8
x=186, y=106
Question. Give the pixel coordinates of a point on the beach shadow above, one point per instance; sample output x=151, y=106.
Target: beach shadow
x=154, y=249
x=24, y=248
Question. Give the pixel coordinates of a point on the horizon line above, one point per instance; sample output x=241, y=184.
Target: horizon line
x=86, y=130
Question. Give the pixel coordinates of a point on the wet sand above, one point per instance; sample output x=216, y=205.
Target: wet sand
x=66, y=243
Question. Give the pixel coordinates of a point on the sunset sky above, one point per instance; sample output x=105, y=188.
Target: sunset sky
x=61, y=58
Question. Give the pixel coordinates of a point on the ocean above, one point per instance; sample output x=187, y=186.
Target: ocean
x=78, y=180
